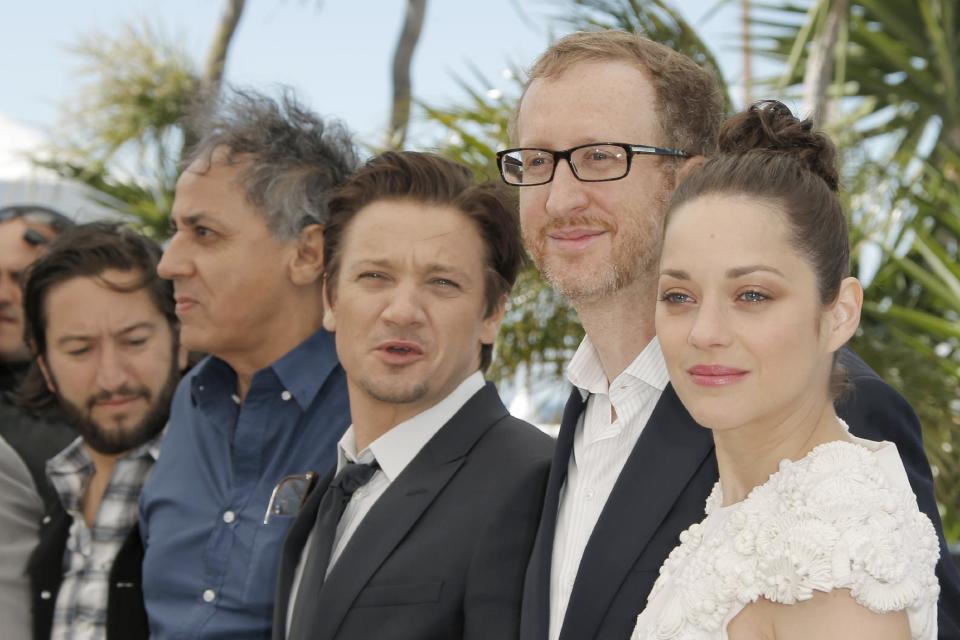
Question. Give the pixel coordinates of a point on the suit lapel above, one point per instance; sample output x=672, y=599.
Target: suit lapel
x=400, y=507
x=293, y=545
x=670, y=450
x=535, y=618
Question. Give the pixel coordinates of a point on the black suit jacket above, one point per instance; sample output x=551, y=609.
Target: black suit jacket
x=442, y=553
x=662, y=490
x=126, y=616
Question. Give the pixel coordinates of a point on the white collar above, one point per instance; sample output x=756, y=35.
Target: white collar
x=394, y=450
x=585, y=370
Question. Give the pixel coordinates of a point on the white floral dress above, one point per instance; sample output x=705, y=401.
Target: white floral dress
x=842, y=517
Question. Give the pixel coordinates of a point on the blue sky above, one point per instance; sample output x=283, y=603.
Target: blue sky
x=335, y=53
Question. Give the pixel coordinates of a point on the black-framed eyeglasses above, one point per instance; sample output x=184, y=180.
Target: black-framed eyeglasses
x=594, y=162
x=290, y=494
x=36, y=214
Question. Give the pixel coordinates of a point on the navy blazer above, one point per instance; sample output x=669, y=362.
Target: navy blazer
x=662, y=490
x=442, y=553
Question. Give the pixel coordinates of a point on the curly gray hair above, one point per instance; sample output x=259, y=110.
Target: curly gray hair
x=298, y=160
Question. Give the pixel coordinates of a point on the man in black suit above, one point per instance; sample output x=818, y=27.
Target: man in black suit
x=102, y=328
x=424, y=530
x=632, y=469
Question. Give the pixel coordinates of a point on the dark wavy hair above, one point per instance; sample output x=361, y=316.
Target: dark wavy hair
x=86, y=251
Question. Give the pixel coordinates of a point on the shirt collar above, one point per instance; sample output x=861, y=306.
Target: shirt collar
x=301, y=371
x=394, y=450
x=585, y=370
x=74, y=459
x=304, y=369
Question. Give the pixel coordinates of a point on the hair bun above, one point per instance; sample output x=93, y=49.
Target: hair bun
x=768, y=126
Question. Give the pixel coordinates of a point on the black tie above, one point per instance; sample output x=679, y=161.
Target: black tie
x=350, y=478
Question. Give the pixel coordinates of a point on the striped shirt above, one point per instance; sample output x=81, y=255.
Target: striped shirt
x=601, y=446
x=81, y=609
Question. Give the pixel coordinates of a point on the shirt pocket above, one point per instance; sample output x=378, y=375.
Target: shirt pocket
x=399, y=594
x=263, y=563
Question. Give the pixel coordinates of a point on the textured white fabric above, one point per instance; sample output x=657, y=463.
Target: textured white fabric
x=601, y=446
x=393, y=451
x=842, y=517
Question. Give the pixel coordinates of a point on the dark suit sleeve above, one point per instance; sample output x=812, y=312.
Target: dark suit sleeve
x=494, y=586
x=874, y=410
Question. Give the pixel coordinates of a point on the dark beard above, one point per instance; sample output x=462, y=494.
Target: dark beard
x=119, y=440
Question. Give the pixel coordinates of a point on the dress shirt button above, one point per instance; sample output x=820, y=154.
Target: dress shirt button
x=286, y=395
x=569, y=582
x=229, y=516
x=209, y=595
x=45, y=595
x=588, y=495
x=235, y=398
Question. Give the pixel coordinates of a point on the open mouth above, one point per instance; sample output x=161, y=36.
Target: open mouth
x=400, y=351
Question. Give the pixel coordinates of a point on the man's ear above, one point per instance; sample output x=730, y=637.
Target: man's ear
x=844, y=315
x=329, y=318
x=689, y=166
x=307, y=264
x=491, y=324
x=47, y=376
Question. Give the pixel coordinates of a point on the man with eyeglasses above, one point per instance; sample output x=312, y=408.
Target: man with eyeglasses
x=608, y=125
x=25, y=231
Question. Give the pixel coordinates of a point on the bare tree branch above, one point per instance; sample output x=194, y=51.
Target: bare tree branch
x=217, y=58
x=403, y=56
x=819, y=70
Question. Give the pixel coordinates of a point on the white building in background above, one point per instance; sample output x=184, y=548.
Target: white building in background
x=23, y=183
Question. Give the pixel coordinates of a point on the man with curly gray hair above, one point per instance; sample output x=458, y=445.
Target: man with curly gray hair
x=246, y=260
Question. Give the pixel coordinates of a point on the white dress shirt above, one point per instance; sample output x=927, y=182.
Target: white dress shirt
x=393, y=451
x=601, y=446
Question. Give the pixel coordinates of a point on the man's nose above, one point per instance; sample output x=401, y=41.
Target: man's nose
x=174, y=263
x=567, y=193
x=404, y=306
x=111, y=368
x=10, y=292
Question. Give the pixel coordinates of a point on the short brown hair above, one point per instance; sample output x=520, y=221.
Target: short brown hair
x=689, y=102
x=432, y=179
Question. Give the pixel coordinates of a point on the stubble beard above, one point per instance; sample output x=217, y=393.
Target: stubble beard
x=635, y=258
x=393, y=394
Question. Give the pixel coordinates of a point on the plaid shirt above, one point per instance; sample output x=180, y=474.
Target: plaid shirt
x=81, y=608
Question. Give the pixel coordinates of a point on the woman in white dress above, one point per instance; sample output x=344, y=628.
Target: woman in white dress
x=810, y=532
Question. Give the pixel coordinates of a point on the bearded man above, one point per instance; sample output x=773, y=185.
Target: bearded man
x=103, y=330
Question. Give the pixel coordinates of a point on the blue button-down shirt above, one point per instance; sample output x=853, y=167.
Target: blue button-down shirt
x=211, y=564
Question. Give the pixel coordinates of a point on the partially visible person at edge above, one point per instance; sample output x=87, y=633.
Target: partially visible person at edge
x=246, y=260
x=426, y=528
x=102, y=329
x=811, y=532
x=26, y=440
x=632, y=468
x=25, y=233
